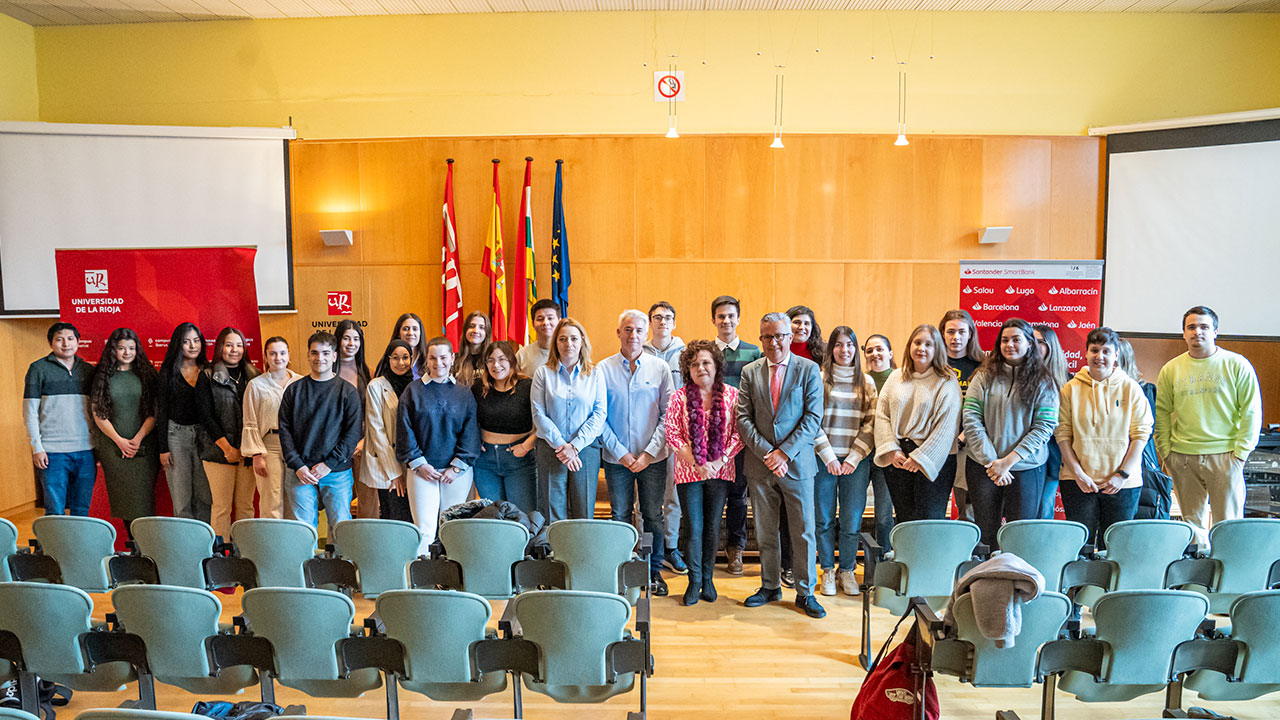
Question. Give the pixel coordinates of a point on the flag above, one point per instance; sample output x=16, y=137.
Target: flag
x=560, y=276
x=492, y=264
x=524, y=288
x=449, y=280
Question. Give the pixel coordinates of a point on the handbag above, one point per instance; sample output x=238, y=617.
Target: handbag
x=889, y=692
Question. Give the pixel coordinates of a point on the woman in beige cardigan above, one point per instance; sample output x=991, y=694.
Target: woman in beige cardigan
x=381, y=470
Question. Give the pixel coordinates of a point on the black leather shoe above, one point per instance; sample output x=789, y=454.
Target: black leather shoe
x=762, y=596
x=691, y=593
x=709, y=590
x=788, y=578
x=657, y=586
x=809, y=604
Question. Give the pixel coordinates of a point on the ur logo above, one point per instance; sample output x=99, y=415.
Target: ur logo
x=339, y=302
x=95, y=282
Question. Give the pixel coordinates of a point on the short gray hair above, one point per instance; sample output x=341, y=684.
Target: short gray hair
x=774, y=317
x=632, y=313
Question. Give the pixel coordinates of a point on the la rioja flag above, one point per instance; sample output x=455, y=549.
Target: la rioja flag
x=524, y=288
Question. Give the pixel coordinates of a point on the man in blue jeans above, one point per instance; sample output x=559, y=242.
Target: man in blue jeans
x=634, y=440
x=321, y=420
x=55, y=409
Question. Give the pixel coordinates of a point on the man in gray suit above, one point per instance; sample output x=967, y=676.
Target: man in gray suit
x=778, y=416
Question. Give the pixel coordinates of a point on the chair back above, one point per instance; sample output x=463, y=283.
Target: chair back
x=380, y=549
x=437, y=628
x=1246, y=549
x=1254, y=619
x=1142, y=628
x=1143, y=550
x=573, y=629
x=8, y=546
x=81, y=545
x=304, y=626
x=177, y=545
x=486, y=550
x=592, y=551
x=1011, y=666
x=277, y=548
x=136, y=714
x=1046, y=545
x=48, y=621
x=9, y=713
x=932, y=550
x=174, y=622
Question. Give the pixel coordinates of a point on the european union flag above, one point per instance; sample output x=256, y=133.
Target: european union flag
x=560, y=275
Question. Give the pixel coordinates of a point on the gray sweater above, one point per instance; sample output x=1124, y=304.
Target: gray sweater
x=997, y=421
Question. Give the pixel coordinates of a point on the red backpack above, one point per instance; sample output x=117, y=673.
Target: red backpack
x=889, y=692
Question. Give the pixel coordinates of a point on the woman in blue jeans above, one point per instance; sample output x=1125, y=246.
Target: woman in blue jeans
x=506, y=469
x=844, y=443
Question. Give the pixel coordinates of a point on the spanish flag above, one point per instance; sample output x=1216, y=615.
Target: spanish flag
x=492, y=264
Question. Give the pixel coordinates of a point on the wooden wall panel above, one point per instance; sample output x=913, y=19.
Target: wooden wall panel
x=325, y=191
x=1075, y=202
x=871, y=299
x=878, y=198
x=740, y=198
x=818, y=285
x=670, y=191
x=808, y=190
x=1016, y=179
x=946, y=205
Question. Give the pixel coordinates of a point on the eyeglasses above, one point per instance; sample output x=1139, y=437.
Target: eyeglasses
x=663, y=318
x=780, y=337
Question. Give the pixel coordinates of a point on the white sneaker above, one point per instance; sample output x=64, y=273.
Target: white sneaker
x=828, y=581
x=848, y=583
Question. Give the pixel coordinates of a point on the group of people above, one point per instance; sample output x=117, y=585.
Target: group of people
x=801, y=425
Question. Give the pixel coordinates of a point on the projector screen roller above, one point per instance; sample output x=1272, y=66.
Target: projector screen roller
x=86, y=186
x=1194, y=224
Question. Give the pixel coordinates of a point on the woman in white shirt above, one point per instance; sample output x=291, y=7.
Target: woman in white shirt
x=259, y=438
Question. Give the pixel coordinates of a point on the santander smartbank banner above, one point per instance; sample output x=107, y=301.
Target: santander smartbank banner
x=1064, y=295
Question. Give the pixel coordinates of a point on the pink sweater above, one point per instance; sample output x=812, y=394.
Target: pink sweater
x=677, y=422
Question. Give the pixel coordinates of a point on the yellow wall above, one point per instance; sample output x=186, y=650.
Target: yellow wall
x=18, y=97
x=486, y=75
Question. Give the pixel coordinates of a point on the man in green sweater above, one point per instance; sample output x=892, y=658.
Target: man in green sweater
x=1208, y=416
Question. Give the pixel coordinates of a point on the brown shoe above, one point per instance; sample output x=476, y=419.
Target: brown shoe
x=735, y=560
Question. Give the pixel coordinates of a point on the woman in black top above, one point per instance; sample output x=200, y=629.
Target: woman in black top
x=178, y=423
x=964, y=355
x=506, y=469
x=220, y=394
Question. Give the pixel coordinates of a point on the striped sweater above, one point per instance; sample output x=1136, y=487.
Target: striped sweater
x=737, y=359
x=998, y=422
x=846, y=432
x=922, y=409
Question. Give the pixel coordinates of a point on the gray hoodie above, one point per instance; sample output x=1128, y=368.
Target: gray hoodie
x=996, y=421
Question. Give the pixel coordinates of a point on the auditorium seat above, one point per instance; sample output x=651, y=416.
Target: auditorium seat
x=277, y=548
x=8, y=547
x=437, y=629
x=81, y=547
x=596, y=555
x=8, y=713
x=1046, y=545
x=1254, y=669
x=964, y=652
x=1244, y=556
x=178, y=546
x=135, y=714
x=381, y=551
x=486, y=551
x=1137, y=557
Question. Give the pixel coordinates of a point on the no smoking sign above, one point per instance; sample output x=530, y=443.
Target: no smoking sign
x=668, y=86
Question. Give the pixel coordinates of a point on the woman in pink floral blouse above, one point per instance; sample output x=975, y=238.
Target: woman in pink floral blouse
x=703, y=440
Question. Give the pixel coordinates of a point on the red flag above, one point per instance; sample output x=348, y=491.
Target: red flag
x=493, y=265
x=449, y=281
x=524, y=290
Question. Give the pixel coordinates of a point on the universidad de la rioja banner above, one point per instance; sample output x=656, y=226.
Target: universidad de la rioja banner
x=1065, y=295
x=153, y=290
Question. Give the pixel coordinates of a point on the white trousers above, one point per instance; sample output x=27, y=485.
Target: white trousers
x=429, y=498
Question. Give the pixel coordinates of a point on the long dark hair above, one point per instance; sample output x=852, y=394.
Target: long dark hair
x=700, y=426
x=1057, y=359
x=171, y=368
x=814, y=344
x=1032, y=377
x=893, y=364
x=246, y=368
x=467, y=365
x=829, y=362
x=100, y=388
x=418, y=353
x=362, y=368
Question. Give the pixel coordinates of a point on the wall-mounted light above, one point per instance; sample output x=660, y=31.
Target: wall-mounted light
x=336, y=238
x=779, y=82
x=995, y=234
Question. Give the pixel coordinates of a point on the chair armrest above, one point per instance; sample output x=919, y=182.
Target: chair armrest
x=1059, y=656
x=435, y=572
x=1205, y=654
x=1007, y=715
x=228, y=571
x=1273, y=577
x=1193, y=571
x=534, y=574
x=330, y=570
x=1079, y=573
x=507, y=624
x=963, y=568
x=927, y=621
x=104, y=646
x=872, y=553
x=513, y=654
x=130, y=569
x=366, y=651
x=981, y=552
x=633, y=574
x=890, y=574
x=645, y=547
x=37, y=567
x=626, y=656
x=642, y=616
x=226, y=651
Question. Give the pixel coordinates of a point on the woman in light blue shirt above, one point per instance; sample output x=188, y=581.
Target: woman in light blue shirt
x=568, y=415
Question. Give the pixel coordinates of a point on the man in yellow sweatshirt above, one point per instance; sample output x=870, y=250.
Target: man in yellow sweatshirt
x=1208, y=416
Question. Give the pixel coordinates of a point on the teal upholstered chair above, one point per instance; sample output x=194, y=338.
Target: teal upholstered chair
x=1255, y=617
x=574, y=631
x=137, y=714
x=1139, y=553
x=1046, y=545
x=1244, y=550
x=486, y=550
x=174, y=622
x=81, y=546
x=277, y=548
x=380, y=550
x=437, y=629
x=925, y=557
x=178, y=546
x=8, y=713
x=967, y=654
x=8, y=546
x=594, y=552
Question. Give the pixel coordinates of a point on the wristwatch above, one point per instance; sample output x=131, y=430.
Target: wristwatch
x=1123, y=474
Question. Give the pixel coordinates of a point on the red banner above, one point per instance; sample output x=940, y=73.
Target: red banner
x=152, y=291
x=1066, y=296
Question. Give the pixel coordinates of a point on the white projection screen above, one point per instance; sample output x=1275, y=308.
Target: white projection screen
x=109, y=186
x=1193, y=218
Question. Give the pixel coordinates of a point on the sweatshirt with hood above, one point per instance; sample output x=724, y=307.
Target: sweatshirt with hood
x=1099, y=418
x=998, y=421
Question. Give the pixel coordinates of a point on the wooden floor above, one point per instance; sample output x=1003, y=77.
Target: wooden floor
x=713, y=660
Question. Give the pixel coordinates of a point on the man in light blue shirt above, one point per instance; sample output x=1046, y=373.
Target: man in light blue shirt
x=638, y=387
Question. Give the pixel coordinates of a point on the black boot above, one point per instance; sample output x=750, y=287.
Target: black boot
x=691, y=592
x=708, y=586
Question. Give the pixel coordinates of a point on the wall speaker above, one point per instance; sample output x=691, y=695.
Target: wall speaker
x=336, y=238
x=993, y=235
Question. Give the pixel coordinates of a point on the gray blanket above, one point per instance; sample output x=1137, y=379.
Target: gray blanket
x=998, y=587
